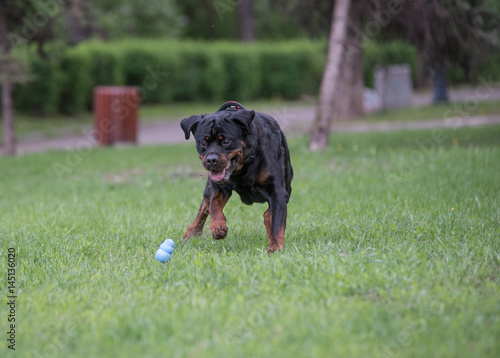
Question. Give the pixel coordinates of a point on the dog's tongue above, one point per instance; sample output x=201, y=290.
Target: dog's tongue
x=218, y=177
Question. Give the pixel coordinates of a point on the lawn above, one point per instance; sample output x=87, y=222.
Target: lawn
x=28, y=125
x=462, y=110
x=392, y=250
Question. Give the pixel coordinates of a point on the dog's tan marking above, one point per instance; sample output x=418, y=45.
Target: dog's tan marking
x=196, y=228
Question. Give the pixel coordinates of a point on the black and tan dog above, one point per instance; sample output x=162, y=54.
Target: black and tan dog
x=246, y=152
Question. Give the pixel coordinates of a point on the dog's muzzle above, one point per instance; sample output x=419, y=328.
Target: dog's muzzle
x=220, y=168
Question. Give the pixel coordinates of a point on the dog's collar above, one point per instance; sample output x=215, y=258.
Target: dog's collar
x=231, y=106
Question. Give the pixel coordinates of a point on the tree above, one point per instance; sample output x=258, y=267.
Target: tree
x=449, y=31
x=444, y=31
x=310, y=18
x=22, y=23
x=7, y=87
x=246, y=20
x=349, y=102
x=12, y=70
x=325, y=109
x=80, y=20
x=113, y=19
x=208, y=19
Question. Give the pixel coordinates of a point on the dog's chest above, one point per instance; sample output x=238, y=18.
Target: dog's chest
x=248, y=192
x=250, y=196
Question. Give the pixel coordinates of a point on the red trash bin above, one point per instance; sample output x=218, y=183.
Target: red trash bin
x=115, y=114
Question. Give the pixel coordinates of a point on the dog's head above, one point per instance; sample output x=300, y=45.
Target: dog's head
x=223, y=141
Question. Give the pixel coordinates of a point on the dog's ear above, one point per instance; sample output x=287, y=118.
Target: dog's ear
x=244, y=119
x=189, y=124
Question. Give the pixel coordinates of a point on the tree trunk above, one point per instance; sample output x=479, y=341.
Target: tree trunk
x=325, y=111
x=9, y=137
x=7, y=109
x=246, y=20
x=349, y=102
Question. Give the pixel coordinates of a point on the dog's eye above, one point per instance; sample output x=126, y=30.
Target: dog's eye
x=203, y=143
x=226, y=141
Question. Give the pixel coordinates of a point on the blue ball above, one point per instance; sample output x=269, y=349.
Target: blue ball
x=169, y=242
x=167, y=248
x=162, y=256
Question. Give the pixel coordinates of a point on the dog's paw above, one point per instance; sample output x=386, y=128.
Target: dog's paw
x=192, y=232
x=219, y=229
x=273, y=248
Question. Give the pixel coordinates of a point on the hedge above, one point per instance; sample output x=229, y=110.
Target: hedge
x=41, y=95
x=490, y=68
x=168, y=71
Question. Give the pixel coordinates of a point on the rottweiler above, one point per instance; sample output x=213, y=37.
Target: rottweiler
x=246, y=152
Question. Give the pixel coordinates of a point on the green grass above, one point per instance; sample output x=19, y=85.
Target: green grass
x=440, y=111
x=28, y=126
x=392, y=250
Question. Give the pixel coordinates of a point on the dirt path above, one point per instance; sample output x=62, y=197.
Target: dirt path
x=294, y=121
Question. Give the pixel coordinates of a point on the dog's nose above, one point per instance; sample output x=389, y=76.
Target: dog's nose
x=212, y=159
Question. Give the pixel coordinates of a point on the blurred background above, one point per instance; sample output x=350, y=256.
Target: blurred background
x=189, y=56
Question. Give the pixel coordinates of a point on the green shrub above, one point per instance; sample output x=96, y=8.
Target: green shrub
x=192, y=81
x=76, y=91
x=289, y=69
x=42, y=94
x=281, y=73
x=106, y=65
x=490, y=68
x=316, y=57
x=168, y=71
x=194, y=70
x=139, y=70
x=160, y=79
x=456, y=74
x=213, y=80
x=241, y=73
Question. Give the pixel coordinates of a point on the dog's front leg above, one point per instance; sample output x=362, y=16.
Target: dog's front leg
x=217, y=218
x=196, y=228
